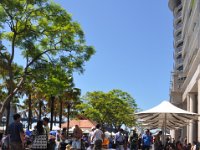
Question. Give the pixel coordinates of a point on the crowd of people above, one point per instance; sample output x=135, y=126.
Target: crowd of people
x=18, y=139
x=41, y=138
x=148, y=141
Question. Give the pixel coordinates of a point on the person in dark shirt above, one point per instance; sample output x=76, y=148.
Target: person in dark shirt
x=157, y=141
x=16, y=133
x=133, y=140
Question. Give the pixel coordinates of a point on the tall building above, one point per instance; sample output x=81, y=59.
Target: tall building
x=185, y=85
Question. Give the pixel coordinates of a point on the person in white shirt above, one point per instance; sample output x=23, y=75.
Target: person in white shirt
x=119, y=140
x=97, y=138
x=46, y=127
x=90, y=138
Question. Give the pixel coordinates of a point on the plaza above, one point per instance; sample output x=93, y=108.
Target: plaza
x=43, y=52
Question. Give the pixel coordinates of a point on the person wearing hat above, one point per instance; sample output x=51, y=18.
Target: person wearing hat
x=133, y=139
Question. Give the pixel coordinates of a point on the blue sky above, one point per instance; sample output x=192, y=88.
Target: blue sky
x=134, y=47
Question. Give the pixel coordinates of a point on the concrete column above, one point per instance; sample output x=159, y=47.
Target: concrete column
x=184, y=132
x=192, y=105
x=198, y=109
x=188, y=126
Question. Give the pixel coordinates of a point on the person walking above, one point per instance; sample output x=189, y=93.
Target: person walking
x=16, y=132
x=40, y=137
x=146, y=140
x=133, y=140
x=98, y=138
x=119, y=140
x=90, y=138
x=77, y=135
x=46, y=126
x=157, y=141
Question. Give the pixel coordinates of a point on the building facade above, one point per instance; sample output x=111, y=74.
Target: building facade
x=185, y=84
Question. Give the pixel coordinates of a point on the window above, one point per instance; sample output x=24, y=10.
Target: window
x=180, y=68
x=178, y=3
x=180, y=44
x=179, y=56
x=179, y=33
x=179, y=22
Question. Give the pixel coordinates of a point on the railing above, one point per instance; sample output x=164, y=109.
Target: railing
x=176, y=19
x=178, y=42
x=179, y=14
x=178, y=26
x=177, y=8
x=177, y=38
x=177, y=80
x=177, y=30
x=179, y=61
x=178, y=49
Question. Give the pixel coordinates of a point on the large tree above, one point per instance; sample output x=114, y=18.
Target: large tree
x=113, y=108
x=43, y=33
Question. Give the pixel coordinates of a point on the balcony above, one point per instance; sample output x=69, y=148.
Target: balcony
x=178, y=46
x=178, y=25
x=178, y=42
x=178, y=15
x=179, y=62
x=178, y=38
x=177, y=19
x=177, y=30
x=178, y=50
x=178, y=33
x=178, y=78
x=179, y=67
x=178, y=12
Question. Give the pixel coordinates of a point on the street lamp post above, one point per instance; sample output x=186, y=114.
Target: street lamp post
x=3, y=120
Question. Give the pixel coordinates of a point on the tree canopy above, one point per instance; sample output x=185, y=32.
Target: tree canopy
x=45, y=36
x=114, y=108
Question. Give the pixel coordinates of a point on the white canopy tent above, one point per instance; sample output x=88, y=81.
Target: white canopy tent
x=165, y=116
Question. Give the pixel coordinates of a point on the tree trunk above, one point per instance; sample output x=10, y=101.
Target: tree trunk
x=10, y=81
x=8, y=117
x=29, y=112
x=60, y=114
x=68, y=112
x=8, y=99
x=52, y=111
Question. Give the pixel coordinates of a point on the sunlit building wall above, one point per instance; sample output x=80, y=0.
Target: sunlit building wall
x=185, y=84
